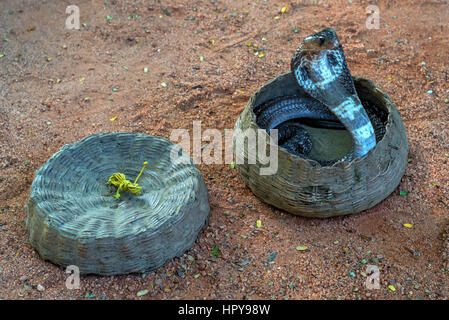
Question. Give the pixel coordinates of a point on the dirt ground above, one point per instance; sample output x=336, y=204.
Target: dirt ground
x=58, y=86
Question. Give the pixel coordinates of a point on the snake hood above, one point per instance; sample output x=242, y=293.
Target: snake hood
x=320, y=68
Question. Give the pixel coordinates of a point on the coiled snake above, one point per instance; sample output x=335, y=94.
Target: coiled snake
x=320, y=69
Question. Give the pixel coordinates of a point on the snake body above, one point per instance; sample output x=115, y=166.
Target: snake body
x=283, y=109
x=320, y=69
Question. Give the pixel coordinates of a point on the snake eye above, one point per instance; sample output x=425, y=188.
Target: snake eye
x=322, y=40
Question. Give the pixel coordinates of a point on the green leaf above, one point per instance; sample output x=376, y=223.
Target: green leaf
x=302, y=248
x=142, y=293
x=215, y=251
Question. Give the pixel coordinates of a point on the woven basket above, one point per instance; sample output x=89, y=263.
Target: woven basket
x=304, y=187
x=73, y=218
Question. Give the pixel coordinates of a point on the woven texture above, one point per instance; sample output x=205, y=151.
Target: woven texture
x=302, y=186
x=73, y=218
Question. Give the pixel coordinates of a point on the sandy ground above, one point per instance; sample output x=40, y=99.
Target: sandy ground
x=58, y=86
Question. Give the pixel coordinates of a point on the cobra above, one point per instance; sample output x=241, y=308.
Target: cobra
x=320, y=69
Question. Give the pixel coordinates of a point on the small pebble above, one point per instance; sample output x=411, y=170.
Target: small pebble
x=272, y=256
x=40, y=288
x=180, y=273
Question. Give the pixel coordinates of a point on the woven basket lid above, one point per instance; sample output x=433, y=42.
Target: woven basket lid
x=73, y=218
x=304, y=187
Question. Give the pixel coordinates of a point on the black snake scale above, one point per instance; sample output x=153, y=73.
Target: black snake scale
x=320, y=68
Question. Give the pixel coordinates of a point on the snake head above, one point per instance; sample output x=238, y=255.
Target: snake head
x=325, y=39
x=320, y=67
x=316, y=46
